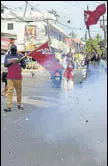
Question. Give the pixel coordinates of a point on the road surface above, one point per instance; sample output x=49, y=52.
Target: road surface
x=57, y=127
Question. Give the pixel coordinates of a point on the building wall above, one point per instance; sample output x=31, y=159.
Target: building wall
x=76, y=44
x=56, y=35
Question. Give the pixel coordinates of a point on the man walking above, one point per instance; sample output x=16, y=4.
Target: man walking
x=14, y=76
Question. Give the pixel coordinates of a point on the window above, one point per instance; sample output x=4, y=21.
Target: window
x=54, y=35
x=10, y=26
x=59, y=37
x=2, y=10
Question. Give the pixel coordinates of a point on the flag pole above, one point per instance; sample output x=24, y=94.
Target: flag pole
x=90, y=34
x=89, y=27
x=104, y=31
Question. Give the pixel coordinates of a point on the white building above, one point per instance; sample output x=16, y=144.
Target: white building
x=14, y=24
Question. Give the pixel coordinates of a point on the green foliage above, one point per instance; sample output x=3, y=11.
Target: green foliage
x=98, y=37
x=82, y=39
x=94, y=45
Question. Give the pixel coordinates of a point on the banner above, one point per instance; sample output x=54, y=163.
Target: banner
x=45, y=58
x=43, y=46
x=30, y=37
x=5, y=43
x=92, y=17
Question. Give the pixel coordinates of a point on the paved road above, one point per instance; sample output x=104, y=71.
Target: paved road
x=57, y=127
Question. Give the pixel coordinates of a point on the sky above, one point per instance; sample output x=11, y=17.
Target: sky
x=67, y=10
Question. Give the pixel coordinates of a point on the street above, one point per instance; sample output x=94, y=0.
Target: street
x=57, y=127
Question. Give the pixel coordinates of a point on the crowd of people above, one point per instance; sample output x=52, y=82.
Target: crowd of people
x=13, y=77
x=74, y=61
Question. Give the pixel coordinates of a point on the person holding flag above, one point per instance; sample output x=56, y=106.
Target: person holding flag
x=91, y=18
x=14, y=76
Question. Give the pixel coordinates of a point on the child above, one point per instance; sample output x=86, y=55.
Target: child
x=4, y=79
x=68, y=78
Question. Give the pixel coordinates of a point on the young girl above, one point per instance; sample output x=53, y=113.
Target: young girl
x=68, y=77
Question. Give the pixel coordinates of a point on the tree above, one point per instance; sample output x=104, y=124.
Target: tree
x=92, y=45
x=101, y=43
x=98, y=37
x=82, y=39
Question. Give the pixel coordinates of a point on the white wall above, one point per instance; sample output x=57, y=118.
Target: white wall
x=4, y=27
x=19, y=30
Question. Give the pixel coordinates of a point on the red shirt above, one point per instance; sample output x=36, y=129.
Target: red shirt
x=14, y=71
x=68, y=73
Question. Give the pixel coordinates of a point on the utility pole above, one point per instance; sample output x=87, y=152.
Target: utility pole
x=48, y=31
x=25, y=8
x=71, y=42
x=85, y=36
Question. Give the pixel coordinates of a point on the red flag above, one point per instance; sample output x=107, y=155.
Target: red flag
x=45, y=58
x=43, y=46
x=92, y=17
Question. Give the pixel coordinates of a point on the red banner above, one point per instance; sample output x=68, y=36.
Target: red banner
x=46, y=59
x=43, y=46
x=5, y=43
x=92, y=17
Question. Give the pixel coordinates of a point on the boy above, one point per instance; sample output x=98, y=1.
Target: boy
x=4, y=79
